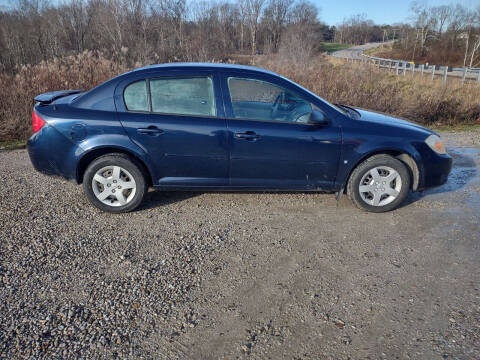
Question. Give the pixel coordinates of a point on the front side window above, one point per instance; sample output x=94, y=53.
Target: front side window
x=259, y=100
x=183, y=96
x=135, y=96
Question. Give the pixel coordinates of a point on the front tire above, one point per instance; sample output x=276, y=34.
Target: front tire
x=115, y=183
x=379, y=184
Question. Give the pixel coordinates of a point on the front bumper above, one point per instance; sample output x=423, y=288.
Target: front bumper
x=51, y=153
x=436, y=170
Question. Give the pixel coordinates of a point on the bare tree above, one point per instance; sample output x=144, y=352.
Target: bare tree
x=424, y=22
x=304, y=12
x=443, y=15
x=476, y=40
x=253, y=12
x=75, y=20
x=275, y=17
x=358, y=30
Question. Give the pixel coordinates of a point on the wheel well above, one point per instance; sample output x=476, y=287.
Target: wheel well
x=403, y=157
x=94, y=154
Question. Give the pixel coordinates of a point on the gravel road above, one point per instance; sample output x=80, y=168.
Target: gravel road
x=355, y=52
x=240, y=275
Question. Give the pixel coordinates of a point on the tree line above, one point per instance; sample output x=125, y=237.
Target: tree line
x=358, y=29
x=139, y=32
x=443, y=35
x=152, y=31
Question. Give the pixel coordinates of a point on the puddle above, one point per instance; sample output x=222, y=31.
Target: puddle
x=464, y=172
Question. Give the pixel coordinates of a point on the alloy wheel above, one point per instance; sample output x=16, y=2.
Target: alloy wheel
x=380, y=186
x=114, y=186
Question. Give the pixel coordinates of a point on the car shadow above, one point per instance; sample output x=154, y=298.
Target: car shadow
x=161, y=198
x=464, y=170
x=157, y=198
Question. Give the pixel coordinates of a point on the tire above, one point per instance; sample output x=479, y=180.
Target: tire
x=384, y=192
x=115, y=183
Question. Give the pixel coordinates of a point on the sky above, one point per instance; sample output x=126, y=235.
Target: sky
x=333, y=12
x=381, y=12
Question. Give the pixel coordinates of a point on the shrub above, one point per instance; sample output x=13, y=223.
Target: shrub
x=82, y=71
x=418, y=99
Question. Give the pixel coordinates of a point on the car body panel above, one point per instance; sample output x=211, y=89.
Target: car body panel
x=51, y=153
x=200, y=152
x=82, y=131
x=295, y=156
x=189, y=150
x=375, y=133
x=377, y=118
x=284, y=155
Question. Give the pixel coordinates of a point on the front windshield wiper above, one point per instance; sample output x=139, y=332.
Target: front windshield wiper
x=351, y=111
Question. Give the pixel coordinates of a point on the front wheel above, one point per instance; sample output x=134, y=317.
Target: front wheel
x=114, y=183
x=379, y=184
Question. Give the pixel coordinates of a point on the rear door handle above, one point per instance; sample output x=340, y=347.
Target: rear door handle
x=151, y=130
x=247, y=135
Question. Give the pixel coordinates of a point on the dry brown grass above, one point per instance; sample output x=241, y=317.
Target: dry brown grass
x=82, y=71
x=421, y=100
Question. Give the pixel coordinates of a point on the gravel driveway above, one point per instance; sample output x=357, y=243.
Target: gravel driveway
x=240, y=275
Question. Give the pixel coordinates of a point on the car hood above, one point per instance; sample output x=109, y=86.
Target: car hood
x=379, y=118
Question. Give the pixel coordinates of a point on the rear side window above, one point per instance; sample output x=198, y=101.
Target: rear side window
x=183, y=96
x=135, y=96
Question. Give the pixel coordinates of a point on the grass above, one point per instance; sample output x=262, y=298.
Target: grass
x=12, y=144
x=378, y=50
x=456, y=128
x=425, y=101
x=330, y=47
x=428, y=102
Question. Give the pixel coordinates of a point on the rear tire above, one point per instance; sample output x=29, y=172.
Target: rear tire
x=115, y=183
x=379, y=184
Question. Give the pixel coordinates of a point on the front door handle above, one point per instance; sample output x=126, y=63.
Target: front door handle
x=151, y=130
x=247, y=135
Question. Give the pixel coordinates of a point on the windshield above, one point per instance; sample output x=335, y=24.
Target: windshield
x=336, y=106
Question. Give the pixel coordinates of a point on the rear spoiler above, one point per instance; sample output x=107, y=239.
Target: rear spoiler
x=48, y=98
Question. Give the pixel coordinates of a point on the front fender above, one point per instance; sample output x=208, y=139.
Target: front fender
x=354, y=153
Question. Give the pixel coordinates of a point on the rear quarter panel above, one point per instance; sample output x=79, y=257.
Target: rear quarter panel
x=71, y=133
x=94, y=130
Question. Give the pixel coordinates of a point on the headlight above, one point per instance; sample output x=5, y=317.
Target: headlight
x=436, y=144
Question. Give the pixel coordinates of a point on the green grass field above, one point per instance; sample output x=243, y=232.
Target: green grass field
x=326, y=46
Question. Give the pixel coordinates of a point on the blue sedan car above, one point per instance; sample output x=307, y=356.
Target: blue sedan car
x=226, y=127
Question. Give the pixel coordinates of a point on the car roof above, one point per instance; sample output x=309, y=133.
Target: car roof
x=95, y=97
x=202, y=66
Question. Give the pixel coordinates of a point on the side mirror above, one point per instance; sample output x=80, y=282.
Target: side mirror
x=318, y=118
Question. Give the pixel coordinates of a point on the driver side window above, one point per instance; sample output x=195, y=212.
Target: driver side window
x=259, y=100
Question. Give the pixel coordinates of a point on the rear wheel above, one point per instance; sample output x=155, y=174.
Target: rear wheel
x=379, y=184
x=114, y=183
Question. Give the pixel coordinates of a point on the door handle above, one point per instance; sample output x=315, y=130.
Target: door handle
x=151, y=130
x=248, y=135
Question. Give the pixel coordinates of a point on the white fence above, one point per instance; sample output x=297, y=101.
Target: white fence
x=404, y=68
